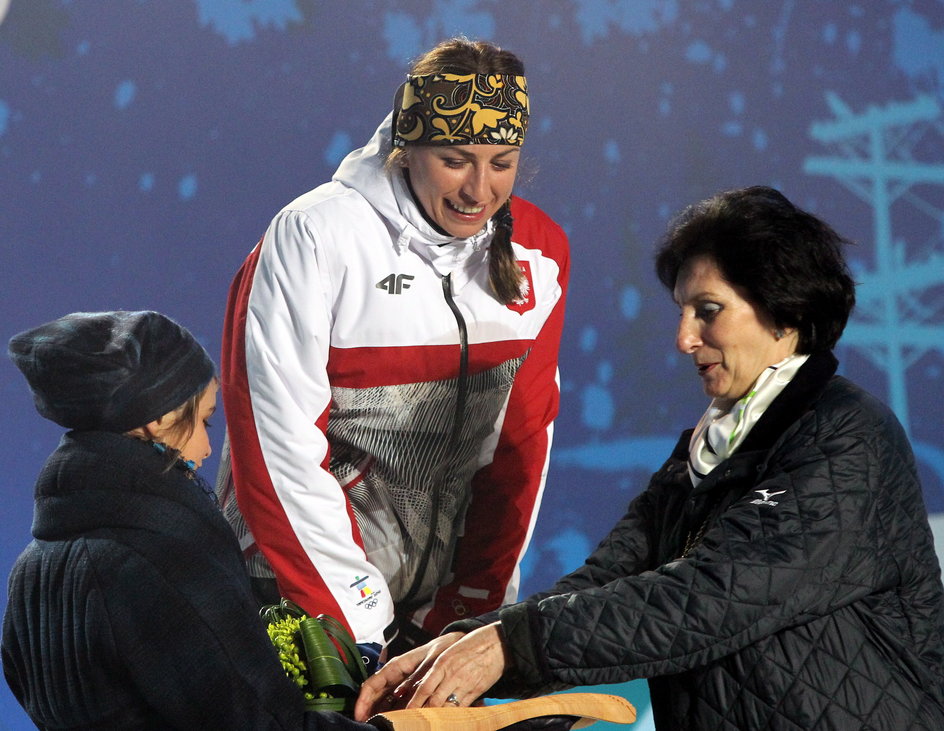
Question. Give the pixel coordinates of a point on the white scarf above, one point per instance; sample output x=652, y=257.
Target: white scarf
x=723, y=427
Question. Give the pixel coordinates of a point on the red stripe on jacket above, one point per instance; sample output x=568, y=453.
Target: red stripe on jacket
x=298, y=580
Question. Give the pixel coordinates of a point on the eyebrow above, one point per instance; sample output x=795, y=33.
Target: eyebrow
x=469, y=155
x=703, y=294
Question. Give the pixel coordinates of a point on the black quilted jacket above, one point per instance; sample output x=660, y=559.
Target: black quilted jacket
x=812, y=601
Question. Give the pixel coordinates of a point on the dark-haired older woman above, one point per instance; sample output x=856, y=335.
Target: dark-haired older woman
x=778, y=572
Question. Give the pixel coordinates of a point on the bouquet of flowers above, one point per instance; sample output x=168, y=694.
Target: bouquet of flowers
x=318, y=655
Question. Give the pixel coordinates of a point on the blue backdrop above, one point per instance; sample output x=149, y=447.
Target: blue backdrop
x=145, y=144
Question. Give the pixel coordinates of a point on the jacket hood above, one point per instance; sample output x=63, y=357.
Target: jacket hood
x=364, y=171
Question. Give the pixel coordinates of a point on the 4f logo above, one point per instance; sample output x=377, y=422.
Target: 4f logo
x=395, y=283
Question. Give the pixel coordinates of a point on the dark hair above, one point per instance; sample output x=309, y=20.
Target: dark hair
x=185, y=422
x=186, y=414
x=461, y=56
x=788, y=262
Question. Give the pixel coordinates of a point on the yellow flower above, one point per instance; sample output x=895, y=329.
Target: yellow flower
x=482, y=118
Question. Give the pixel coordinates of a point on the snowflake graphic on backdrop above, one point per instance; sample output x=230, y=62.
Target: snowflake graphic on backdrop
x=239, y=20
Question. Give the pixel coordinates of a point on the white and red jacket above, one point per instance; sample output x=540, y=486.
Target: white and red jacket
x=389, y=421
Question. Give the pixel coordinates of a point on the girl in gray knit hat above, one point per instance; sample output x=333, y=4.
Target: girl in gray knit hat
x=138, y=373
x=132, y=607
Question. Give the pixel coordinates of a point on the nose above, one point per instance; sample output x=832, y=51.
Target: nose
x=687, y=338
x=476, y=185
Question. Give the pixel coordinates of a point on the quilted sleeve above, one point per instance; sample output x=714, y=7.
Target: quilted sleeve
x=811, y=536
x=625, y=551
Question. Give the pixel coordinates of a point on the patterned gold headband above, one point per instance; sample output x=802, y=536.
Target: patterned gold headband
x=461, y=109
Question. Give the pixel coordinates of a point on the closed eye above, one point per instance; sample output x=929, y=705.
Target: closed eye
x=707, y=310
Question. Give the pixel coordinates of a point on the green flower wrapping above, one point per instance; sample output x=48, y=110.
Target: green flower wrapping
x=318, y=655
x=282, y=633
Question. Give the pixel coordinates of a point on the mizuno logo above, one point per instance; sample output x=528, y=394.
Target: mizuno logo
x=395, y=283
x=765, y=496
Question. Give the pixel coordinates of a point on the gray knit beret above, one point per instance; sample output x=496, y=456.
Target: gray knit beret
x=110, y=371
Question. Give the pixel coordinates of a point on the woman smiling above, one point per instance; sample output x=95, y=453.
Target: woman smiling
x=390, y=365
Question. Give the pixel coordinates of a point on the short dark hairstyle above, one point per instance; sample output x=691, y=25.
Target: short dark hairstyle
x=789, y=263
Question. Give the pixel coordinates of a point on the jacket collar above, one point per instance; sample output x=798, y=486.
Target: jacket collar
x=364, y=170
x=796, y=399
x=98, y=480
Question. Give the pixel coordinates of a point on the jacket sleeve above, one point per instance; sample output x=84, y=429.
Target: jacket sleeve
x=277, y=399
x=626, y=551
x=506, y=493
x=814, y=545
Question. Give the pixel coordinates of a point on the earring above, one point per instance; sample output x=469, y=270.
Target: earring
x=778, y=333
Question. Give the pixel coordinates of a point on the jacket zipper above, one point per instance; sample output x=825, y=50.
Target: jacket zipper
x=457, y=423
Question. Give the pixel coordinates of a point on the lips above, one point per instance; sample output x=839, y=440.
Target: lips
x=704, y=368
x=465, y=210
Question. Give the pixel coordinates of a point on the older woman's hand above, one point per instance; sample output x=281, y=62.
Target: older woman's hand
x=382, y=690
x=455, y=666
